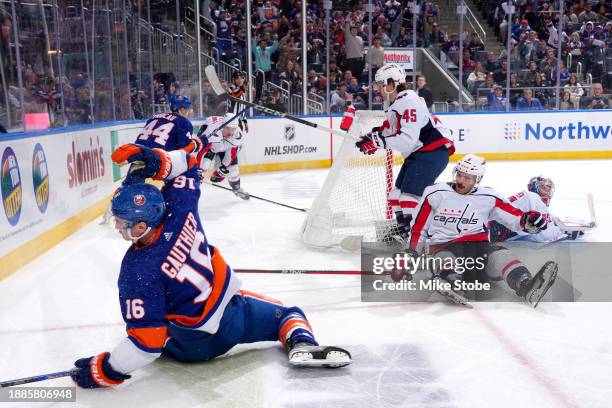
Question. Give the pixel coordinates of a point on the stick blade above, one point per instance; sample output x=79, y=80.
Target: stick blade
x=213, y=78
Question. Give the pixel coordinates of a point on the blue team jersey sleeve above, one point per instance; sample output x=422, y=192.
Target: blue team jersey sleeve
x=142, y=295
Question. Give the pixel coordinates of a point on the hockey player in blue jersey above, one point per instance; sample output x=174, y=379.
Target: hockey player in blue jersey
x=178, y=296
x=171, y=131
x=168, y=131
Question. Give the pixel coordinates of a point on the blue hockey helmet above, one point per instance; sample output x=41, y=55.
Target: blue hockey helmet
x=179, y=101
x=542, y=186
x=139, y=202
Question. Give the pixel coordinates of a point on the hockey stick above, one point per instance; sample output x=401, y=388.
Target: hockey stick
x=259, y=198
x=37, y=378
x=213, y=78
x=591, y=204
x=302, y=272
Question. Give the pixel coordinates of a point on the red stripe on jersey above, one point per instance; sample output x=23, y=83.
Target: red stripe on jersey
x=419, y=223
x=450, y=146
x=504, y=206
x=233, y=154
x=408, y=204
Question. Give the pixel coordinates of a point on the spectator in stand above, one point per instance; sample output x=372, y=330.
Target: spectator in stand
x=468, y=63
x=436, y=38
x=348, y=75
x=515, y=91
x=566, y=102
x=530, y=76
x=496, y=101
x=564, y=74
x=476, y=78
x=354, y=48
x=528, y=102
x=340, y=99
x=316, y=83
x=423, y=91
x=575, y=48
x=475, y=45
x=272, y=101
x=571, y=16
x=288, y=51
x=521, y=30
x=588, y=14
x=597, y=101
x=392, y=10
x=492, y=64
x=575, y=90
x=263, y=62
x=452, y=45
x=488, y=83
x=501, y=74
x=377, y=55
x=547, y=65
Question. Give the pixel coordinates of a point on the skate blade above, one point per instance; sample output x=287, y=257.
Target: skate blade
x=328, y=357
x=453, y=296
x=547, y=278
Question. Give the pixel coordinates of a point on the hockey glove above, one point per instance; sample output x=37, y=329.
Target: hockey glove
x=146, y=162
x=370, y=142
x=533, y=222
x=96, y=372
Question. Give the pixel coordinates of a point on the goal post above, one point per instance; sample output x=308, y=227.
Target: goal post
x=352, y=205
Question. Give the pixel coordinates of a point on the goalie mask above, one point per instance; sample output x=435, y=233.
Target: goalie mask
x=542, y=186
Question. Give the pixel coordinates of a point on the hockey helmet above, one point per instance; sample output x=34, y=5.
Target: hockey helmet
x=179, y=101
x=390, y=71
x=542, y=186
x=237, y=74
x=471, y=164
x=231, y=125
x=139, y=202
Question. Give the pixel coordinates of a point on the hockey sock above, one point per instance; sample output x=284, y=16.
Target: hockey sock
x=514, y=273
x=294, y=328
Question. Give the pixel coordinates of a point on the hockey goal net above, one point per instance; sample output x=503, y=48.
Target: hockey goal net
x=352, y=205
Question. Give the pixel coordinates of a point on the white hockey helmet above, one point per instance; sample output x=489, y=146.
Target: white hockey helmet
x=471, y=164
x=231, y=125
x=390, y=71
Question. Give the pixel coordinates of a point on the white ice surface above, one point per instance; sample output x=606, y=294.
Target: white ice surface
x=64, y=306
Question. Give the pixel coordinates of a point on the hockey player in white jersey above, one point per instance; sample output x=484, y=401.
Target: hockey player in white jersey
x=453, y=217
x=221, y=152
x=537, y=197
x=419, y=136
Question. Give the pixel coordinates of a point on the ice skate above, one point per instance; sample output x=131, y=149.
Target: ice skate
x=306, y=355
x=534, y=289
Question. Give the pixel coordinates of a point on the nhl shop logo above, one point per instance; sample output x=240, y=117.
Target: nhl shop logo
x=289, y=133
x=139, y=199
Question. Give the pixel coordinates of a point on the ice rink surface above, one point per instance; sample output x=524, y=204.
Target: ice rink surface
x=64, y=306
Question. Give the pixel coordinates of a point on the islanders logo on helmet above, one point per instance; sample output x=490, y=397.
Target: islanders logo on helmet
x=11, y=186
x=40, y=178
x=140, y=199
x=139, y=202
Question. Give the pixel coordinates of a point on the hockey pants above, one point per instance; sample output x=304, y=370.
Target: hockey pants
x=248, y=318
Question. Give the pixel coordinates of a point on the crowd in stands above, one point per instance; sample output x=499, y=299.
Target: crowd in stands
x=586, y=47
